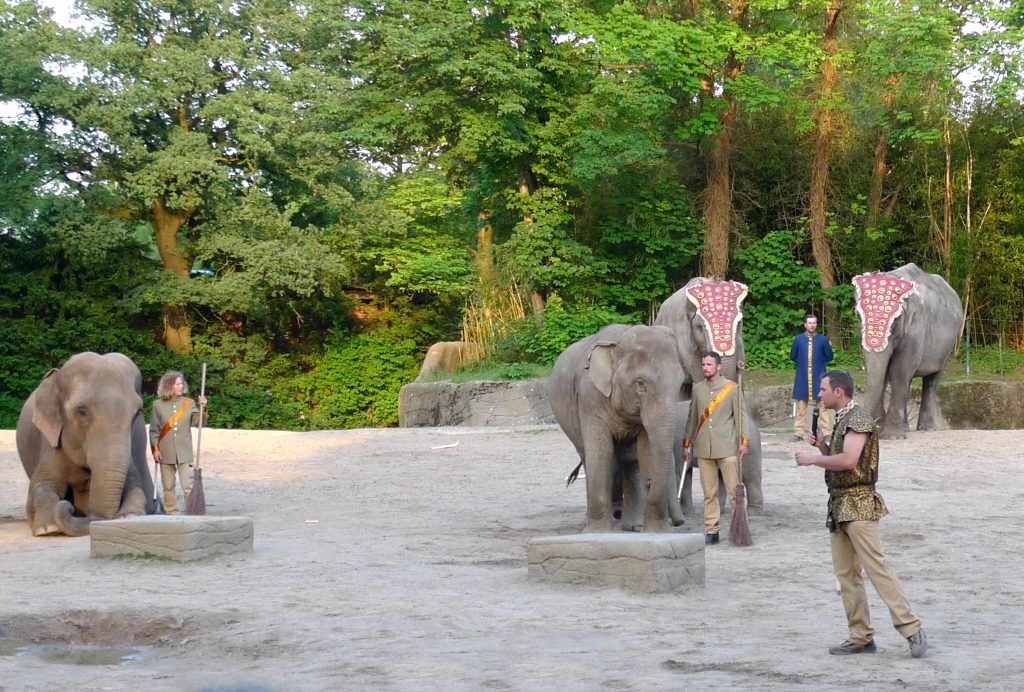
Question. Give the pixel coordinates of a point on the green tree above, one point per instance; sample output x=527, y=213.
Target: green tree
x=182, y=116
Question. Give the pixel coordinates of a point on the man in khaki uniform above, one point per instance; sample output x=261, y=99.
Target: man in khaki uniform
x=715, y=431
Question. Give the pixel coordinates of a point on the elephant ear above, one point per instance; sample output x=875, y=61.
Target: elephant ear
x=601, y=366
x=46, y=413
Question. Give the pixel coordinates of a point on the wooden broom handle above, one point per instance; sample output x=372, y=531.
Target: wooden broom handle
x=199, y=435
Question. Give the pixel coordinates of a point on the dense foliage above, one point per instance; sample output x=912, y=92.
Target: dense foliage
x=305, y=196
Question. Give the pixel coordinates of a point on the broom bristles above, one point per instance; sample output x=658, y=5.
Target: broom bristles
x=739, y=528
x=195, y=503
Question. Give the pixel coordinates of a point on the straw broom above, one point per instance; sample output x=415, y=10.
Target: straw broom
x=195, y=503
x=739, y=527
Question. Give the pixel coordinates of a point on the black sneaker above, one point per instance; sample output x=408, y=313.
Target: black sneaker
x=710, y=539
x=848, y=647
x=918, y=644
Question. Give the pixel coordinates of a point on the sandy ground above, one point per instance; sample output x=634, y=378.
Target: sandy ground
x=396, y=560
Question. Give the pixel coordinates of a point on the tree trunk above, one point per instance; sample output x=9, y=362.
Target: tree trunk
x=823, y=133
x=484, y=254
x=880, y=168
x=944, y=245
x=718, y=208
x=166, y=224
x=527, y=187
x=714, y=260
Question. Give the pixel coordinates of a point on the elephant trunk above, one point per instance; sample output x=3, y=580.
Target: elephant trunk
x=877, y=367
x=109, y=470
x=730, y=369
x=659, y=468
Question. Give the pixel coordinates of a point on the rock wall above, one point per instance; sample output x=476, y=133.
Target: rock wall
x=482, y=403
x=962, y=405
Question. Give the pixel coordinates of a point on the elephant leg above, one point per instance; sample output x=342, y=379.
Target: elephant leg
x=655, y=490
x=752, y=480
x=599, y=453
x=751, y=467
x=632, y=498
x=929, y=397
x=895, y=426
x=43, y=515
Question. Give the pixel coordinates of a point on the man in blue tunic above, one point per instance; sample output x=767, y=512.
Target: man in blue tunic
x=811, y=352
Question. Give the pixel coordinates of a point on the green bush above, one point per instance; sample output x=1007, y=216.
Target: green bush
x=562, y=325
x=356, y=382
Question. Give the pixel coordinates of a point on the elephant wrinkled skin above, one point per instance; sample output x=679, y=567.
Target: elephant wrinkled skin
x=614, y=393
x=82, y=440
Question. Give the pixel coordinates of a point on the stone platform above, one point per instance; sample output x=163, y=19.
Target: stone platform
x=642, y=562
x=180, y=537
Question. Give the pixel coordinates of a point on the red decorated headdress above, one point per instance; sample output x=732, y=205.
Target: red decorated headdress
x=880, y=299
x=718, y=304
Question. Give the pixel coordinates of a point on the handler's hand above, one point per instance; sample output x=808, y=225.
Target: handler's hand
x=156, y=456
x=202, y=400
x=743, y=451
x=686, y=453
x=812, y=438
x=807, y=458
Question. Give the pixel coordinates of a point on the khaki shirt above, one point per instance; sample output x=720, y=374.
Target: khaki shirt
x=851, y=494
x=176, y=447
x=722, y=432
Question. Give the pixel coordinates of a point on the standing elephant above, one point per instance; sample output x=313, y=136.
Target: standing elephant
x=910, y=321
x=614, y=394
x=707, y=315
x=82, y=439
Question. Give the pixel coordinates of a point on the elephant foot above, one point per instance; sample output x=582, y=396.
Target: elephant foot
x=663, y=526
x=598, y=527
x=46, y=530
x=678, y=522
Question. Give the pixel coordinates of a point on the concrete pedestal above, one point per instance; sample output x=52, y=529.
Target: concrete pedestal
x=643, y=562
x=180, y=537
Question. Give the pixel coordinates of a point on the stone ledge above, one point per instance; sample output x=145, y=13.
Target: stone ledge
x=988, y=405
x=642, y=562
x=181, y=538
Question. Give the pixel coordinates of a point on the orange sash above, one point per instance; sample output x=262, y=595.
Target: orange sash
x=186, y=405
x=714, y=404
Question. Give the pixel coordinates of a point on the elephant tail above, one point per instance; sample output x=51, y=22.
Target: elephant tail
x=571, y=478
x=68, y=523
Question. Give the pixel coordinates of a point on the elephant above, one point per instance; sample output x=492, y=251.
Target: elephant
x=613, y=393
x=706, y=315
x=82, y=440
x=910, y=321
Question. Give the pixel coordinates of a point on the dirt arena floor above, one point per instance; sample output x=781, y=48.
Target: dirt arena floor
x=396, y=560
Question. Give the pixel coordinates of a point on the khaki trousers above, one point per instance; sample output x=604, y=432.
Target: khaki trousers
x=856, y=545
x=167, y=473
x=826, y=417
x=709, y=469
